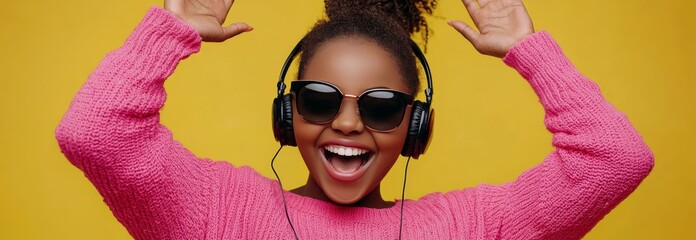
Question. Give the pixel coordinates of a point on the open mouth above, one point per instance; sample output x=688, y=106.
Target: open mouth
x=346, y=163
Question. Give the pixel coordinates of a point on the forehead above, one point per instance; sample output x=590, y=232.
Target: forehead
x=354, y=65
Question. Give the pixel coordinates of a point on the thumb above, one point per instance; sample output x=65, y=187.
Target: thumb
x=466, y=31
x=235, y=29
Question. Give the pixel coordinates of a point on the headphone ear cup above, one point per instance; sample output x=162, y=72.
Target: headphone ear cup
x=287, y=121
x=413, y=128
x=419, y=130
x=282, y=121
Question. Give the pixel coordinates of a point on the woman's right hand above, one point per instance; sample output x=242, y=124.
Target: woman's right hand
x=207, y=16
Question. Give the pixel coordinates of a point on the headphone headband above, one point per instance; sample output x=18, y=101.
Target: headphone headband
x=414, y=47
x=419, y=125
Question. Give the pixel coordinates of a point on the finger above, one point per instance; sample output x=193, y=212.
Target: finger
x=472, y=6
x=235, y=29
x=469, y=33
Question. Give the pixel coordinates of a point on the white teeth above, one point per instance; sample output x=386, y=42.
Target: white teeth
x=345, y=151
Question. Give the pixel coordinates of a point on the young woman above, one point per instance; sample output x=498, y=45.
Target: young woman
x=159, y=190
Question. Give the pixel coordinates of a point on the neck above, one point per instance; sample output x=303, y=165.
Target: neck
x=371, y=200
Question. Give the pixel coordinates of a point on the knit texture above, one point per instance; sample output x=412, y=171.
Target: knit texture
x=159, y=190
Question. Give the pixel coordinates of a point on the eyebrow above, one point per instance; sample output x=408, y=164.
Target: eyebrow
x=388, y=88
x=380, y=87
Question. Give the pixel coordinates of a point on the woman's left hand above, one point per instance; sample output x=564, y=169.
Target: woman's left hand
x=207, y=16
x=501, y=24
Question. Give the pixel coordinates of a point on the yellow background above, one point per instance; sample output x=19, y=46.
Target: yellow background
x=489, y=127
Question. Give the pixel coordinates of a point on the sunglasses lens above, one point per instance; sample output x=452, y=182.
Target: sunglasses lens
x=318, y=102
x=382, y=110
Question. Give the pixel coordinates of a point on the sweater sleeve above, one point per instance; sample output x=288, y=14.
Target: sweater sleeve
x=155, y=187
x=598, y=161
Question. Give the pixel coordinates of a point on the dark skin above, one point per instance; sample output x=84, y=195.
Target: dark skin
x=501, y=24
x=354, y=65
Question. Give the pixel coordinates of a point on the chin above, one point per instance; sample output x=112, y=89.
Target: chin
x=344, y=193
x=345, y=199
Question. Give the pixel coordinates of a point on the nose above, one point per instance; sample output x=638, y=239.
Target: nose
x=348, y=120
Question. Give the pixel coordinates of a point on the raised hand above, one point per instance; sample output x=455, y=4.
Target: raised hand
x=207, y=17
x=501, y=24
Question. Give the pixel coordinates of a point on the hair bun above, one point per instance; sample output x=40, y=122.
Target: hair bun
x=406, y=13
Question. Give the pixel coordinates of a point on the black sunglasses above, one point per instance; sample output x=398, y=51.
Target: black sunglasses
x=380, y=109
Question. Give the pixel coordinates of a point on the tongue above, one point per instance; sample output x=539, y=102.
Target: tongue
x=345, y=164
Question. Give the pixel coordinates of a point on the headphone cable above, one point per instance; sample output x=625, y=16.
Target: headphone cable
x=282, y=193
x=403, y=190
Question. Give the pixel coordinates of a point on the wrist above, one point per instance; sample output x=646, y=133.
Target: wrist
x=535, y=54
x=161, y=29
x=511, y=45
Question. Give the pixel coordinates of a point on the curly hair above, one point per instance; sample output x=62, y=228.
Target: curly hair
x=389, y=23
x=408, y=14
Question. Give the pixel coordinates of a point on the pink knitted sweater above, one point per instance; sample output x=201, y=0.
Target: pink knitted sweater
x=159, y=190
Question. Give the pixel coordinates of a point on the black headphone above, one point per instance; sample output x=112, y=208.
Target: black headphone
x=420, y=125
